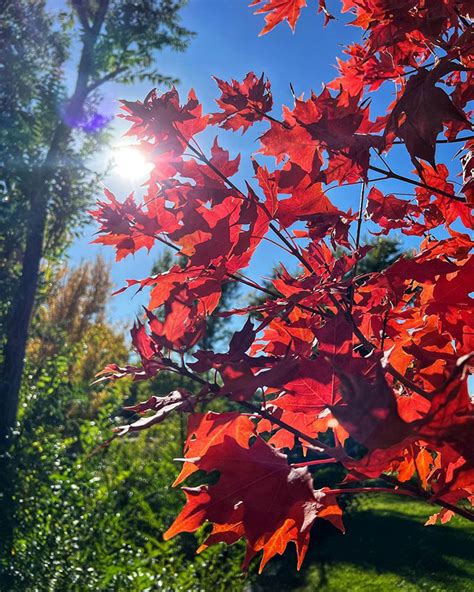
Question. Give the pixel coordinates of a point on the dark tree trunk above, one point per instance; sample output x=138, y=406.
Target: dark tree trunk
x=14, y=351
x=23, y=302
x=17, y=333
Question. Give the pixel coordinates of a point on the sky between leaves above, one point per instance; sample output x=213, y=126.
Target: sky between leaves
x=227, y=45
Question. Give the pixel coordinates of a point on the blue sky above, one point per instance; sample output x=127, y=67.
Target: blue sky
x=227, y=45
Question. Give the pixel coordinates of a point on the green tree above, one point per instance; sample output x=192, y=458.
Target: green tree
x=49, y=135
x=89, y=517
x=383, y=253
x=74, y=315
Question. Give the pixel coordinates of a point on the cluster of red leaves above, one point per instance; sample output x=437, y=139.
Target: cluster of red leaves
x=332, y=357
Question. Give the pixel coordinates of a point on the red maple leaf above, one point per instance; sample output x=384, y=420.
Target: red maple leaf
x=238, y=504
x=242, y=103
x=416, y=124
x=279, y=11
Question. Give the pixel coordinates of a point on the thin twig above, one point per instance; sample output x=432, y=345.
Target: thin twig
x=357, y=242
x=314, y=463
x=374, y=490
x=336, y=454
x=315, y=442
x=444, y=141
x=393, y=175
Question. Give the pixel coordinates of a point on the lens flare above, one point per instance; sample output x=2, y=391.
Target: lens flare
x=130, y=163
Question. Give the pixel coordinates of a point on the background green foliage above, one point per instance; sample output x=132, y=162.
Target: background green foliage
x=87, y=517
x=95, y=522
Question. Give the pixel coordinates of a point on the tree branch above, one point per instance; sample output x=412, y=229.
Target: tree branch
x=226, y=180
x=394, y=175
x=364, y=341
x=99, y=17
x=443, y=141
x=82, y=14
x=336, y=455
x=217, y=391
x=110, y=76
x=429, y=499
x=244, y=281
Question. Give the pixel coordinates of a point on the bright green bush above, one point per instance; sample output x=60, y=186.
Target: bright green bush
x=91, y=518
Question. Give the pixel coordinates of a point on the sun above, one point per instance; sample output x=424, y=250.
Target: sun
x=131, y=163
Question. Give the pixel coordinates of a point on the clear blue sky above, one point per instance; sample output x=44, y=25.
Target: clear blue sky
x=227, y=45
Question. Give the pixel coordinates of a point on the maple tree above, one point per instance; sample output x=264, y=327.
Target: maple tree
x=331, y=356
